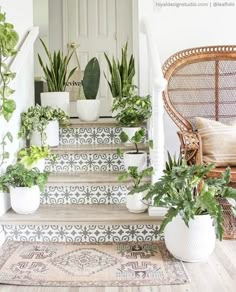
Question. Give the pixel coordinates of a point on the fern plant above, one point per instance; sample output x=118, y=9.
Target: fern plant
x=56, y=72
x=122, y=74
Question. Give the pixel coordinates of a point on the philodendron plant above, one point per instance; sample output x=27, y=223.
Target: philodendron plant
x=91, y=79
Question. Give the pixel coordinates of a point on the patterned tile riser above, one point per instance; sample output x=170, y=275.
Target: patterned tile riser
x=84, y=194
x=98, y=135
x=86, y=162
x=82, y=233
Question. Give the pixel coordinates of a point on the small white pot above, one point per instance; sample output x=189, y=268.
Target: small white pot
x=5, y=203
x=193, y=244
x=25, y=200
x=40, y=164
x=130, y=132
x=88, y=109
x=134, y=203
x=52, y=135
x=134, y=159
x=56, y=100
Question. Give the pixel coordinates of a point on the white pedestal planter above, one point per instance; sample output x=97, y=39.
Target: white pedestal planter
x=88, y=109
x=130, y=132
x=5, y=203
x=193, y=244
x=135, y=204
x=134, y=159
x=56, y=100
x=25, y=200
x=52, y=134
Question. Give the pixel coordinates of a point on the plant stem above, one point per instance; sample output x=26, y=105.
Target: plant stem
x=136, y=147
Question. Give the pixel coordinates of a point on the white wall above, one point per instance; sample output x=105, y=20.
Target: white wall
x=20, y=13
x=182, y=28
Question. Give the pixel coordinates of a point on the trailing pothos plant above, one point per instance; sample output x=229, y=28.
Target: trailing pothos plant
x=136, y=140
x=133, y=110
x=185, y=190
x=18, y=175
x=8, y=42
x=37, y=118
x=31, y=155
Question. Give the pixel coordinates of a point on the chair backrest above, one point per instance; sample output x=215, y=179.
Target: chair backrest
x=201, y=83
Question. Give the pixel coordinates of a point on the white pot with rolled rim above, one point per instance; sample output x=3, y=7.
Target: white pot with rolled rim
x=51, y=134
x=135, y=202
x=135, y=159
x=5, y=202
x=56, y=100
x=130, y=132
x=191, y=244
x=25, y=200
x=88, y=109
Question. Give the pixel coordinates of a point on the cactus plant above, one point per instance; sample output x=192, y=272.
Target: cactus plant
x=91, y=79
x=122, y=74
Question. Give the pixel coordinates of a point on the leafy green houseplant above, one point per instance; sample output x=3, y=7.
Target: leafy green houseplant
x=194, y=212
x=24, y=186
x=43, y=122
x=57, y=74
x=134, y=200
x=88, y=109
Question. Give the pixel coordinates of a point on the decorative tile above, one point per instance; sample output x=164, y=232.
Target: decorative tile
x=84, y=194
x=82, y=233
x=96, y=135
x=86, y=162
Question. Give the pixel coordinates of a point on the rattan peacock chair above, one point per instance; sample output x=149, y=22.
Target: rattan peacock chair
x=202, y=83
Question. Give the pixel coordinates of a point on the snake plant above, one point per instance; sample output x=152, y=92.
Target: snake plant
x=91, y=79
x=122, y=74
x=56, y=72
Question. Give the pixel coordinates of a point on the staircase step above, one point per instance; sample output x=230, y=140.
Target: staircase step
x=86, y=188
x=87, y=223
x=88, y=158
x=102, y=131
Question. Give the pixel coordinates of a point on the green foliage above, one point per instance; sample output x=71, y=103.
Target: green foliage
x=91, y=79
x=4, y=154
x=133, y=110
x=122, y=74
x=8, y=42
x=38, y=117
x=136, y=178
x=56, y=72
x=186, y=191
x=31, y=155
x=18, y=176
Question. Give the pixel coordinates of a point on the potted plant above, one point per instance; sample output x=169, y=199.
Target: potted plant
x=122, y=73
x=56, y=74
x=136, y=110
x=135, y=157
x=34, y=156
x=9, y=40
x=194, y=216
x=135, y=202
x=88, y=109
x=40, y=125
x=24, y=186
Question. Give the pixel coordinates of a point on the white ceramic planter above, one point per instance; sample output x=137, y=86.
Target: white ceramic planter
x=40, y=164
x=25, y=200
x=134, y=203
x=88, y=109
x=5, y=203
x=193, y=244
x=52, y=134
x=133, y=159
x=130, y=132
x=56, y=100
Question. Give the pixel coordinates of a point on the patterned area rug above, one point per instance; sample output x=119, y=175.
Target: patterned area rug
x=60, y=264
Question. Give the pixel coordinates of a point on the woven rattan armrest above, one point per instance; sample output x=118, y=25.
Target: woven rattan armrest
x=190, y=146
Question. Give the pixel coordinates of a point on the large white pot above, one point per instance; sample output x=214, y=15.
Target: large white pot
x=134, y=159
x=130, y=131
x=134, y=203
x=193, y=244
x=56, y=100
x=5, y=203
x=25, y=200
x=88, y=109
x=52, y=135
